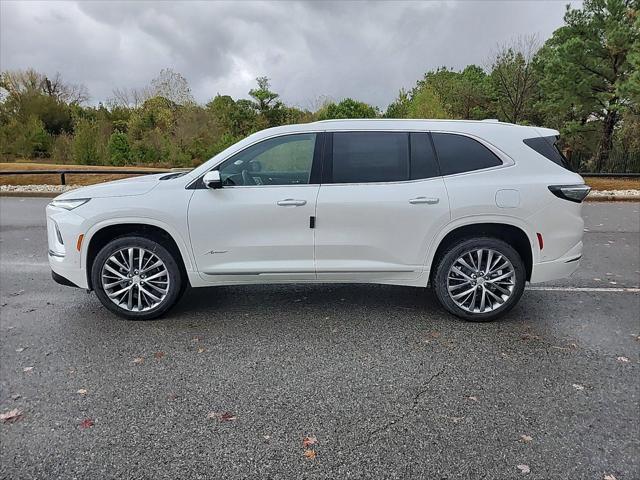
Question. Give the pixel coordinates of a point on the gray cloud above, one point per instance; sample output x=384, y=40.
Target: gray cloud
x=335, y=49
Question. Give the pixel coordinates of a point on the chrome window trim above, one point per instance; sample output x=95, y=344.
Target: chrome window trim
x=506, y=160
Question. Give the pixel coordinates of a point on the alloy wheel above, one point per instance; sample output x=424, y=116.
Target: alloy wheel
x=481, y=280
x=135, y=279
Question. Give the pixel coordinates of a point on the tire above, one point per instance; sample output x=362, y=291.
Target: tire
x=146, y=285
x=452, y=278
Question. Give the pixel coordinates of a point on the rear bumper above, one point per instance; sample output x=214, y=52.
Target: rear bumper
x=559, y=268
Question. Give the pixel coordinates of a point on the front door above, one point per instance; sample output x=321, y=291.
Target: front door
x=257, y=226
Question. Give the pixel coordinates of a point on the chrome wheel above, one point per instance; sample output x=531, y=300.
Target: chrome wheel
x=135, y=279
x=481, y=280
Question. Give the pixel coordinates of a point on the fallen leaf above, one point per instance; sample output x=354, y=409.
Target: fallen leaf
x=222, y=417
x=525, y=438
x=158, y=355
x=138, y=360
x=577, y=386
x=310, y=454
x=530, y=336
x=609, y=477
x=623, y=359
x=11, y=416
x=86, y=423
x=27, y=369
x=21, y=349
x=524, y=468
x=82, y=391
x=308, y=441
x=473, y=399
x=227, y=417
x=201, y=349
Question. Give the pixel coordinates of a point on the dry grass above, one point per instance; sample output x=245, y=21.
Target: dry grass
x=73, y=179
x=612, y=183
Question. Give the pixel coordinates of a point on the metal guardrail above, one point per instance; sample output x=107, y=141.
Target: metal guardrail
x=63, y=173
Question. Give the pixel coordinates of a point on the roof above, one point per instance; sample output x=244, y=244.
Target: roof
x=473, y=127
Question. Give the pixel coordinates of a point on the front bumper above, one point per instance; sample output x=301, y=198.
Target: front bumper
x=559, y=268
x=63, y=229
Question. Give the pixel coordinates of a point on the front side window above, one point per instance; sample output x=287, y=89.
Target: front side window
x=459, y=153
x=285, y=160
x=360, y=157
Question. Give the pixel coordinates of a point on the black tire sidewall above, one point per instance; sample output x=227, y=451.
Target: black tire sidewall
x=450, y=256
x=176, y=282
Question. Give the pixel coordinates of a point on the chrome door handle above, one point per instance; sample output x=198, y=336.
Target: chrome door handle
x=290, y=202
x=427, y=200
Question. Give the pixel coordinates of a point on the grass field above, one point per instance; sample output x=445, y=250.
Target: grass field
x=74, y=179
x=604, y=183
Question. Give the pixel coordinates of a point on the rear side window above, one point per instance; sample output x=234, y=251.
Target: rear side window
x=360, y=157
x=546, y=146
x=458, y=154
x=423, y=158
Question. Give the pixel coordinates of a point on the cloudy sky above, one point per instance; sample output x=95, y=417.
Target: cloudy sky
x=309, y=50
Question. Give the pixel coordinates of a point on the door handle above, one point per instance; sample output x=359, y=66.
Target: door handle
x=290, y=202
x=427, y=200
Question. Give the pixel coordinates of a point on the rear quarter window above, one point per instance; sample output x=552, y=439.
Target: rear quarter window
x=459, y=154
x=547, y=147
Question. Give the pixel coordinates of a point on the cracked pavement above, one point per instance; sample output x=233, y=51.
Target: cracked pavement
x=390, y=385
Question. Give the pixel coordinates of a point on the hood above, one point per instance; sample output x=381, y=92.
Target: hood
x=117, y=188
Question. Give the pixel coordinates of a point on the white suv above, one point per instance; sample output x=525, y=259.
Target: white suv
x=473, y=208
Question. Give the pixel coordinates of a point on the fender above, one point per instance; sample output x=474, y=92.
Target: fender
x=185, y=252
x=474, y=220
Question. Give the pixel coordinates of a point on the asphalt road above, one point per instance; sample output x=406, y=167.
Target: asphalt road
x=389, y=385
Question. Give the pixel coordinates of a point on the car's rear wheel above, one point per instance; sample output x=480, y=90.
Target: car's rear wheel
x=136, y=278
x=479, y=279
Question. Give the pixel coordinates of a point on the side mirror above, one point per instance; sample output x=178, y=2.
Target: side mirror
x=212, y=179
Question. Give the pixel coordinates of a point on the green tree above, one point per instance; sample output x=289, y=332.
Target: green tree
x=85, y=145
x=119, y=149
x=426, y=103
x=347, y=108
x=399, y=108
x=268, y=103
x=587, y=65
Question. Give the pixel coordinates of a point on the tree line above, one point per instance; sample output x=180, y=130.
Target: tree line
x=584, y=81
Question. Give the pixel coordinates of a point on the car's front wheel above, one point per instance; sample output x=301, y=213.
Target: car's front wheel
x=136, y=277
x=479, y=279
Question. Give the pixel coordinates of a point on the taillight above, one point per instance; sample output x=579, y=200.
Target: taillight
x=573, y=193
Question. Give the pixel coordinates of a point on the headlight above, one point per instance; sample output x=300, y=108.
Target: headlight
x=69, y=204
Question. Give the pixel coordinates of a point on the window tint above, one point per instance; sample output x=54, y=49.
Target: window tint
x=370, y=157
x=458, y=153
x=423, y=159
x=546, y=146
x=285, y=160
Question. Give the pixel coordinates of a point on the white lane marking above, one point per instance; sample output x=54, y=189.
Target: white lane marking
x=584, y=289
x=24, y=264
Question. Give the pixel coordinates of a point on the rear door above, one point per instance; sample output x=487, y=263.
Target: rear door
x=257, y=226
x=380, y=205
